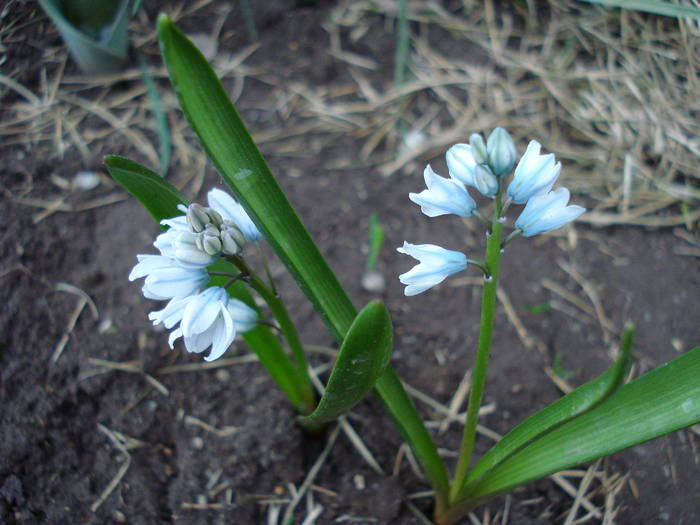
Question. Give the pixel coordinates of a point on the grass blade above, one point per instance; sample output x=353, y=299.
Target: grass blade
x=657, y=7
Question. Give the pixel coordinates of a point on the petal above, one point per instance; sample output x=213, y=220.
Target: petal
x=244, y=317
x=231, y=210
x=461, y=163
x=201, y=312
x=443, y=196
x=224, y=332
x=430, y=253
x=148, y=264
x=171, y=314
x=175, y=334
x=175, y=282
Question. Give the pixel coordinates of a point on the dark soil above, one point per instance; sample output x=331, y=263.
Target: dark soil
x=54, y=459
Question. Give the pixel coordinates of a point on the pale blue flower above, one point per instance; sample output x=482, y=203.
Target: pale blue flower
x=232, y=211
x=547, y=212
x=443, y=196
x=435, y=264
x=166, y=278
x=501, y=151
x=179, y=243
x=534, y=175
x=209, y=319
x=464, y=167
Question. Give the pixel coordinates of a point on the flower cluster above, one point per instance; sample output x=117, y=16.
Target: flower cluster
x=207, y=316
x=483, y=166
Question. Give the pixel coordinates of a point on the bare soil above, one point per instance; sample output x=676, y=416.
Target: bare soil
x=183, y=459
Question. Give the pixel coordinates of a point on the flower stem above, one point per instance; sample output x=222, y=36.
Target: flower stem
x=279, y=310
x=488, y=307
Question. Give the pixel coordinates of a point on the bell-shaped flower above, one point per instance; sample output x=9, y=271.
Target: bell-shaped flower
x=443, y=196
x=231, y=210
x=534, y=175
x=547, y=212
x=209, y=319
x=435, y=264
x=501, y=151
x=180, y=243
x=166, y=279
x=463, y=166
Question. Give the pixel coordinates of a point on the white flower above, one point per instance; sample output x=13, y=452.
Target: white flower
x=435, y=264
x=443, y=196
x=547, y=212
x=179, y=243
x=209, y=319
x=232, y=211
x=166, y=278
x=501, y=151
x=534, y=175
x=464, y=167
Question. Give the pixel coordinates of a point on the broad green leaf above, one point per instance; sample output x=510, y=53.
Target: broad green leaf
x=97, y=38
x=156, y=194
x=362, y=359
x=661, y=401
x=568, y=407
x=657, y=7
x=230, y=147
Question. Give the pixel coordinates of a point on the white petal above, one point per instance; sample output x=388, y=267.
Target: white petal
x=461, y=163
x=223, y=335
x=148, y=264
x=175, y=334
x=231, y=210
x=244, y=317
x=201, y=312
x=443, y=196
x=171, y=314
x=175, y=282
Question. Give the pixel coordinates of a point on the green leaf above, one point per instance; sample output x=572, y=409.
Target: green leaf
x=362, y=359
x=97, y=38
x=659, y=402
x=230, y=147
x=157, y=195
x=657, y=7
x=568, y=407
x=240, y=164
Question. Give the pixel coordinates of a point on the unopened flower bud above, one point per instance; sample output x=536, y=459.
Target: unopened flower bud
x=501, y=151
x=479, y=152
x=231, y=238
x=215, y=217
x=485, y=181
x=211, y=244
x=197, y=217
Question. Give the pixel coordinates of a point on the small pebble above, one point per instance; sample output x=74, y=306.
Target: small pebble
x=373, y=281
x=223, y=375
x=151, y=405
x=359, y=482
x=106, y=326
x=119, y=516
x=86, y=180
x=197, y=443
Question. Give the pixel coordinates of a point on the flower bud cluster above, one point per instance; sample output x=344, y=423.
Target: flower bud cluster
x=207, y=316
x=214, y=234
x=483, y=165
